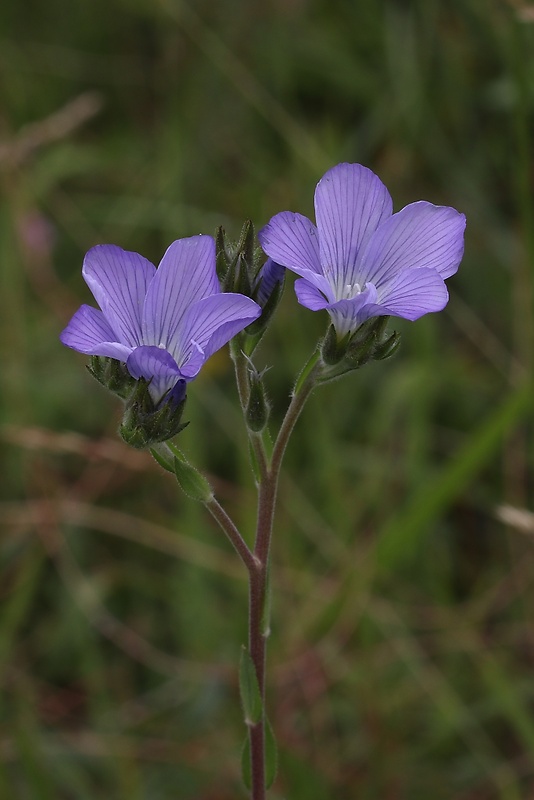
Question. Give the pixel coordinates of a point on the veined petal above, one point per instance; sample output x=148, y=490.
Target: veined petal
x=420, y=235
x=268, y=277
x=348, y=314
x=211, y=322
x=412, y=293
x=186, y=274
x=89, y=332
x=292, y=241
x=310, y=296
x=350, y=203
x=194, y=362
x=119, y=280
x=156, y=365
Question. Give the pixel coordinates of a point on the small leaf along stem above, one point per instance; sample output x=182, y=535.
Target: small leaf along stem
x=165, y=456
x=258, y=579
x=256, y=560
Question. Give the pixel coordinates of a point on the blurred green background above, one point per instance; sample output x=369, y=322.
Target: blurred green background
x=402, y=650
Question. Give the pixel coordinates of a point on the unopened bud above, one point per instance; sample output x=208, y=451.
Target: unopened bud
x=257, y=413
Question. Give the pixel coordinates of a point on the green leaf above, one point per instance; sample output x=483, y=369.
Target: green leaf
x=246, y=766
x=271, y=755
x=271, y=759
x=191, y=481
x=400, y=539
x=249, y=689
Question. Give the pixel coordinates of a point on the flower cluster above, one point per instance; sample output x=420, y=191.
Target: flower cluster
x=156, y=327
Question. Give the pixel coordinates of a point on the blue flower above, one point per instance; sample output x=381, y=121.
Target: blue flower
x=361, y=260
x=163, y=324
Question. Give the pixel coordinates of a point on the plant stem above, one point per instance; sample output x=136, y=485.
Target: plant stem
x=258, y=578
x=225, y=522
x=231, y=531
x=241, y=376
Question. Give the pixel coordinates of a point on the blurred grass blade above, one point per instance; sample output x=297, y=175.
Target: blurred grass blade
x=399, y=540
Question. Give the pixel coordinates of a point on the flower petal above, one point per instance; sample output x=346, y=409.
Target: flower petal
x=211, y=322
x=421, y=235
x=268, y=277
x=119, y=281
x=350, y=203
x=348, y=314
x=186, y=274
x=309, y=296
x=412, y=293
x=194, y=362
x=292, y=241
x=156, y=365
x=89, y=332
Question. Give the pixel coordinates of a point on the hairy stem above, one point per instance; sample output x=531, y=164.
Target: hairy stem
x=258, y=578
x=231, y=531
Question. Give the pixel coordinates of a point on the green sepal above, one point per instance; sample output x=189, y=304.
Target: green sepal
x=221, y=255
x=112, y=374
x=249, y=689
x=370, y=342
x=191, y=481
x=145, y=424
x=333, y=350
x=388, y=348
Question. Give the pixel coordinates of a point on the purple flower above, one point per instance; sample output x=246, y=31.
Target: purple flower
x=362, y=260
x=162, y=323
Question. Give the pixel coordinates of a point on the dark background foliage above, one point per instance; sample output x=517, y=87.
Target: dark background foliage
x=401, y=657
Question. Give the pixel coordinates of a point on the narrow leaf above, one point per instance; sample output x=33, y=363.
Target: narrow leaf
x=192, y=483
x=400, y=539
x=271, y=755
x=246, y=765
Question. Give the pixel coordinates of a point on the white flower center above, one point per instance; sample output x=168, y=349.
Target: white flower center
x=350, y=290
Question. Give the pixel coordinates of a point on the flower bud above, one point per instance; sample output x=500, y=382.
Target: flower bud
x=257, y=413
x=236, y=262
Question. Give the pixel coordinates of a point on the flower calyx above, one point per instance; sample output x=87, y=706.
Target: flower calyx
x=369, y=342
x=145, y=423
x=113, y=375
